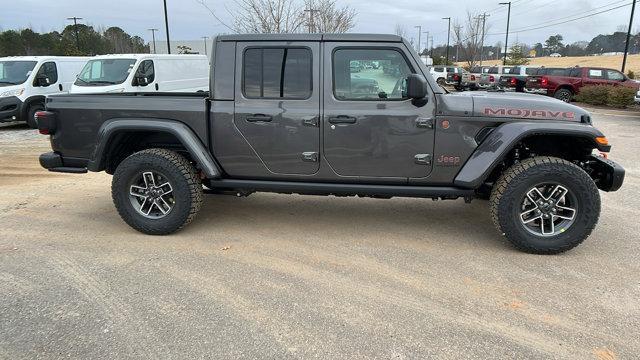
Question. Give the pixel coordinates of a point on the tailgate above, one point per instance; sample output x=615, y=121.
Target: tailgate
x=533, y=82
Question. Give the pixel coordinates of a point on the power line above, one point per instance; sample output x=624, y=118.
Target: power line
x=540, y=26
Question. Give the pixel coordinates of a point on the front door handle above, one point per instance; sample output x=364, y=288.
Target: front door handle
x=342, y=119
x=259, y=118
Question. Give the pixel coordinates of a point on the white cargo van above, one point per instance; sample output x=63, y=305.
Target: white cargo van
x=25, y=81
x=143, y=73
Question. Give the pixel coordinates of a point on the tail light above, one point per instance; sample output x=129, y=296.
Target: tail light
x=491, y=78
x=46, y=122
x=513, y=81
x=456, y=77
x=544, y=81
x=473, y=77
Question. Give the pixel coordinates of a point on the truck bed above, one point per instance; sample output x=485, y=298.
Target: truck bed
x=84, y=115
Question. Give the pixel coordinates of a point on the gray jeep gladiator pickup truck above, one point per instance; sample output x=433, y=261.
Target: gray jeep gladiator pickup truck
x=290, y=114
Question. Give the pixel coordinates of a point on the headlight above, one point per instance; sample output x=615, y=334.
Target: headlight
x=14, y=92
x=116, y=90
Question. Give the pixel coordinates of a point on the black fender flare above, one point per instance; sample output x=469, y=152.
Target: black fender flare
x=502, y=140
x=182, y=132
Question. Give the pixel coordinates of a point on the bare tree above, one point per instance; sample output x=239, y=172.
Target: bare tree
x=292, y=16
x=268, y=16
x=324, y=17
x=469, y=37
x=400, y=30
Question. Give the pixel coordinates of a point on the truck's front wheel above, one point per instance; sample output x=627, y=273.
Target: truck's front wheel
x=156, y=191
x=545, y=205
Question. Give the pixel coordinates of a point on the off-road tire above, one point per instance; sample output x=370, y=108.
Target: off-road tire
x=511, y=188
x=184, y=180
x=31, y=115
x=564, y=94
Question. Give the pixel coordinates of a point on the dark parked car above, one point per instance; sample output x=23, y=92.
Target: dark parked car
x=283, y=116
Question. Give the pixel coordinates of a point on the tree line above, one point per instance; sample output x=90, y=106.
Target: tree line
x=89, y=41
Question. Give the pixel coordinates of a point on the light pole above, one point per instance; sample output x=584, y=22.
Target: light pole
x=205, y=44
x=153, y=37
x=75, y=28
x=448, y=37
x=506, y=39
x=419, y=37
x=484, y=20
x=626, y=46
x=166, y=25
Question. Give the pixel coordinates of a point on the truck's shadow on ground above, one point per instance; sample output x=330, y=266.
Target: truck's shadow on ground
x=270, y=215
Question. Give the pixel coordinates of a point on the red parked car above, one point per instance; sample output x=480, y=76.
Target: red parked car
x=564, y=87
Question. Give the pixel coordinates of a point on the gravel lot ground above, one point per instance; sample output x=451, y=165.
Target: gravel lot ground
x=277, y=276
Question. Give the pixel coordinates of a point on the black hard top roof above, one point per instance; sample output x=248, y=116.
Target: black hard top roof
x=311, y=37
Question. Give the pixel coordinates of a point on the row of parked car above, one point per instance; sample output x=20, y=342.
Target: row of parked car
x=561, y=83
x=25, y=81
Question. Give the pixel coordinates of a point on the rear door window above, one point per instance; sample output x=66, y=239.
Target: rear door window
x=531, y=71
x=575, y=72
x=493, y=70
x=596, y=74
x=277, y=73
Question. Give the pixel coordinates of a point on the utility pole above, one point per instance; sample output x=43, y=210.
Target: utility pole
x=166, y=26
x=75, y=28
x=448, y=38
x=310, y=24
x=626, y=46
x=419, y=27
x=205, y=44
x=506, y=39
x=484, y=20
x=153, y=37
x=427, y=47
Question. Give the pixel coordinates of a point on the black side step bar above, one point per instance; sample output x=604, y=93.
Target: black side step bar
x=340, y=189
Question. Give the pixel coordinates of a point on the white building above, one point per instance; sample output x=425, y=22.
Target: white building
x=196, y=46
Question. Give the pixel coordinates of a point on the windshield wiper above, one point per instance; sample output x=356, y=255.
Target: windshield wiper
x=102, y=82
x=8, y=82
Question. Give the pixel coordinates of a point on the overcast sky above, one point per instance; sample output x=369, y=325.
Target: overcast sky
x=189, y=20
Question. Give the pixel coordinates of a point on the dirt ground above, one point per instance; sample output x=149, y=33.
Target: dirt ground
x=611, y=62
x=279, y=276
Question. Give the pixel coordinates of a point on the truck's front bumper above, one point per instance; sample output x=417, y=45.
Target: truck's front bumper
x=609, y=175
x=10, y=109
x=53, y=161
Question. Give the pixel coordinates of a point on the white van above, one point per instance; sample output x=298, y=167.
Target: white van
x=25, y=81
x=143, y=73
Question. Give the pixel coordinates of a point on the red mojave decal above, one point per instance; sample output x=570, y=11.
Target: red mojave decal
x=528, y=113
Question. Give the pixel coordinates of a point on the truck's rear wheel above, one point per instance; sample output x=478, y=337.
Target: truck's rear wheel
x=156, y=191
x=564, y=94
x=545, y=205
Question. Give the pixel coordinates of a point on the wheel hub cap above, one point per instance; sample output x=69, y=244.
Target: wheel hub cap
x=152, y=195
x=548, y=210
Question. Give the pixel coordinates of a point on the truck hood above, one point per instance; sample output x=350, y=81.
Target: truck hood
x=511, y=105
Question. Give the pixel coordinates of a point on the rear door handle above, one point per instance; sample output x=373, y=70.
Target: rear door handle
x=342, y=119
x=259, y=117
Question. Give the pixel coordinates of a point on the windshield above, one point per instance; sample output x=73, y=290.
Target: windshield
x=105, y=72
x=15, y=72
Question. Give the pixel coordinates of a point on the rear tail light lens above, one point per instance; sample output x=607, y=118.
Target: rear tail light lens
x=513, y=81
x=473, y=77
x=491, y=78
x=544, y=81
x=46, y=122
x=456, y=77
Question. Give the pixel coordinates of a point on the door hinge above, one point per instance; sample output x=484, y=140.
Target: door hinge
x=310, y=156
x=426, y=123
x=422, y=159
x=310, y=122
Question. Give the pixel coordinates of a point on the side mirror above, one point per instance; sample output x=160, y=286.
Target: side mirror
x=142, y=81
x=417, y=87
x=42, y=80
